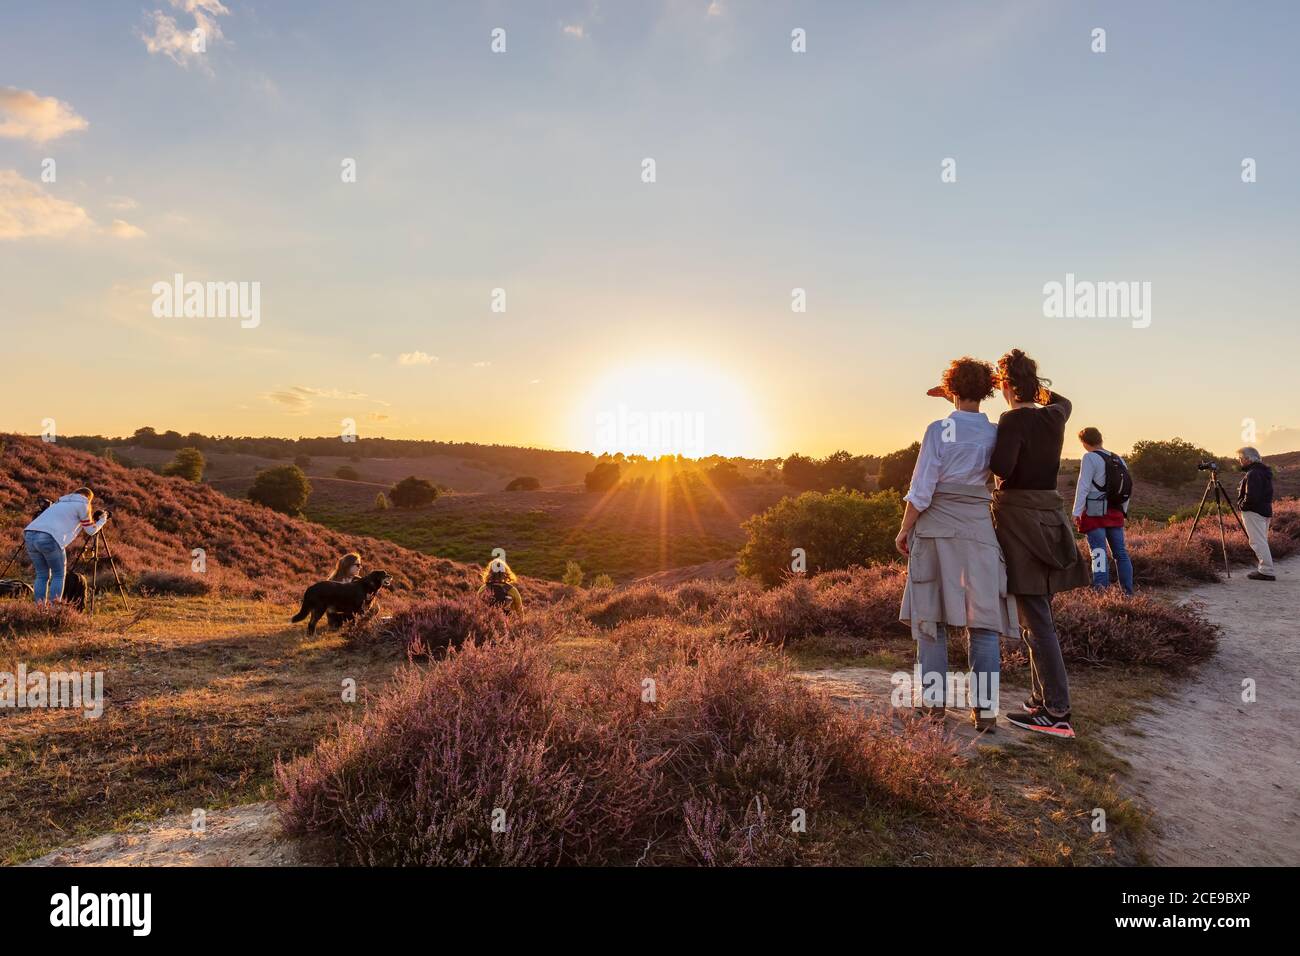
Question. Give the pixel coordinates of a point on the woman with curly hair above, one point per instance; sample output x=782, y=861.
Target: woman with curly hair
x=498, y=588
x=956, y=577
x=1037, y=539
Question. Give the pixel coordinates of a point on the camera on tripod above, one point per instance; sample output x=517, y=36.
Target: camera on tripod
x=1208, y=465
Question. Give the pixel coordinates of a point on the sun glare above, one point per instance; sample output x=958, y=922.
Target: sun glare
x=668, y=408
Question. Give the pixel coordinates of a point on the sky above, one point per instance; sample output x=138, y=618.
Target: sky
x=504, y=269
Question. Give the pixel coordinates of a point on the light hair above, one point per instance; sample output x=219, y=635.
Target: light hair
x=1247, y=453
x=84, y=492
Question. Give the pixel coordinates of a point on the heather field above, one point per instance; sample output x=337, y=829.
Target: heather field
x=644, y=724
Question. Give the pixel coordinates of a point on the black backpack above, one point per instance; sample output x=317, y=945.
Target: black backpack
x=1119, y=483
x=498, y=593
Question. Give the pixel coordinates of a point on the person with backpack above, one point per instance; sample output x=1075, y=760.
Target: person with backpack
x=1101, y=507
x=498, y=588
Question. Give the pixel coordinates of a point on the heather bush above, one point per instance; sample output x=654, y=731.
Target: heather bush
x=859, y=601
x=426, y=628
x=1109, y=628
x=22, y=617
x=585, y=770
x=176, y=583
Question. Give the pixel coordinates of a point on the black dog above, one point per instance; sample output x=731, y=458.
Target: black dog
x=342, y=601
x=74, y=589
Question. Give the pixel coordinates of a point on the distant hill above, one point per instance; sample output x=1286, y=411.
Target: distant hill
x=158, y=521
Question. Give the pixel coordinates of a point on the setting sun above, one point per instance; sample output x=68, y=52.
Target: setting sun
x=671, y=407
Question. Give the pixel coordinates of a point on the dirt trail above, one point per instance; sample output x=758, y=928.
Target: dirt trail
x=241, y=836
x=1222, y=775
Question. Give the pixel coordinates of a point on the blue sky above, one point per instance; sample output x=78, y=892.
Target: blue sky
x=521, y=170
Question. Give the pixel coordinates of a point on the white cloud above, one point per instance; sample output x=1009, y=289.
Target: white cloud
x=27, y=211
x=25, y=115
x=178, y=42
x=124, y=230
x=121, y=203
x=416, y=358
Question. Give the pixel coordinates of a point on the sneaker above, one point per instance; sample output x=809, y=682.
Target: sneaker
x=1260, y=576
x=1041, y=721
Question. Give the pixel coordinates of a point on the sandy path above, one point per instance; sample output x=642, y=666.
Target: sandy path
x=240, y=836
x=1222, y=775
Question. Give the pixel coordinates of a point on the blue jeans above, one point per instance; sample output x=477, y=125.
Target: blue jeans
x=1097, y=541
x=50, y=563
x=985, y=665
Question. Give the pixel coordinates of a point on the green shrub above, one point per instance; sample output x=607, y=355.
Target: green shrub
x=284, y=489
x=347, y=473
x=381, y=502
x=836, y=529
x=1170, y=463
x=572, y=574
x=188, y=464
x=602, y=582
x=303, y=461
x=524, y=483
x=412, y=492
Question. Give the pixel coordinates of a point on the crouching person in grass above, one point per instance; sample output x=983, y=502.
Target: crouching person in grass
x=956, y=577
x=1255, y=502
x=49, y=534
x=498, y=587
x=1037, y=540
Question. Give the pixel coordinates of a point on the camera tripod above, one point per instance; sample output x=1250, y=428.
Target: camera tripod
x=90, y=549
x=1221, y=498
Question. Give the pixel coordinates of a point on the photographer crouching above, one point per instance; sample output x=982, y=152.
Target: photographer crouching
x=50, y=533
x=1255, y=501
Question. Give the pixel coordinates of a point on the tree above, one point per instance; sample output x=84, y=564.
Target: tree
x=835, y=529
x=838, y=470
x=524, y=483
x=187, y=464
x=724, y=474
x=572, y=574
x=603, y=477
x=284, y=489
x=1170, y=463
x=896, y=469
x=412, y=492
x=347, y=473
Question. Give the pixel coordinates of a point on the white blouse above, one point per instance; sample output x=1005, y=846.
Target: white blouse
x=955, y=449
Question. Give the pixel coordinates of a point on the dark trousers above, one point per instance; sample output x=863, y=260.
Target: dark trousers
x=1046, y=666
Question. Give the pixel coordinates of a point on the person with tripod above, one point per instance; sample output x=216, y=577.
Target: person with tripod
x=49, y=534
x=1255, y=499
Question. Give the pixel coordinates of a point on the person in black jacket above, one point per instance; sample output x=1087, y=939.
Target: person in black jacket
x=1255, y=501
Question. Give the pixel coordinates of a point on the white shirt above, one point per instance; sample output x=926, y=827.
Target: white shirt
x=1092, y=481
x=955, y=449
x=65, y=519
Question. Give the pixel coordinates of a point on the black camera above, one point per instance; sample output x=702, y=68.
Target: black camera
x=1208, y=466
